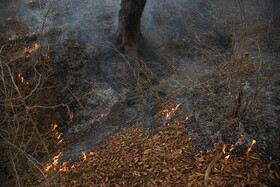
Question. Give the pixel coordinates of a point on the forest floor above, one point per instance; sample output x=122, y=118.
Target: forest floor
x=165, y=157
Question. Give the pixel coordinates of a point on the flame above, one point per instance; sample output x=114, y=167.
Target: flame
x=168, y=113
x=250, y=148
x=187, y=118
x=232, y=147
x=84, y=155
x=30, y=50
x=227, y=157
x=55, y=162
x=53, y=126
x=243, y=135
x=48, y=167
x=20, y=76
x=91, y=153
x=72, y=117
x=10, y=38
x=224, y=148
x=60, y=141
x=102, y=115
x=64, y=166
x=9, y=19
x=59, y=135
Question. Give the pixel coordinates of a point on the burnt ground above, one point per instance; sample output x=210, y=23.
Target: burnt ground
x=180, y=50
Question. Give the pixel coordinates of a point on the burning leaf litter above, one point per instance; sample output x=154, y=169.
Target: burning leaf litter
x=163, y=158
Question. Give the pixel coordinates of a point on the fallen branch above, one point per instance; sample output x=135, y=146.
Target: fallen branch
x=210, y=167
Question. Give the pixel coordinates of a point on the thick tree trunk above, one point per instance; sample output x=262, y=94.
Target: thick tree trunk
x=128, y=34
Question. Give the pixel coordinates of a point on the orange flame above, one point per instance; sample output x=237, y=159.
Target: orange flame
x=64, y=166
x=232, y=147
x=48, y=167
x=84, y=155
x=168, y=113
x=20, y=76
x=250, y=148
x=60, y=141
x=9, y=19
x=59, y=136
x=55, y=162
x=72, y=117
x=53, y=126
x=30, y=50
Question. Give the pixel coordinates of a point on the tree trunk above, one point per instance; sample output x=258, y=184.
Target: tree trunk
x=128, y=34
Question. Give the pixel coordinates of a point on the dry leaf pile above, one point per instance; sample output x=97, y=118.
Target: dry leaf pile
x=165, y=157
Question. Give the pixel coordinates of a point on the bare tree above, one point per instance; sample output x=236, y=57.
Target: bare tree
x=128, y=34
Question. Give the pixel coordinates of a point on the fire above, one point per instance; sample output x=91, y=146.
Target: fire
x=84, y=155
x=250, y=148
x=54, y=164
x=54, y=126
x=60, y=141
x=48, y=167
x=72, y=117
x=9, y=19
x=58, y=135
x=30, y=50
x=224, y=148
x=232, y=147
x=167, y=114
x=64, y=166
x=20, y=76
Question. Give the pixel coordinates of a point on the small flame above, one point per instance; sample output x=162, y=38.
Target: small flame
x=64, y=166
x=60, y=141
x=55, y=162
x=232, y=147
x=84, y=155
x=59, y=135
x=250, y=148
x=72, y=117
x=20, y=76
x=168, y=113
x=30, y=50
x=9, y=19
x=224, y=148
x=48, y=167
x=54, y=126
x=227, y=157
